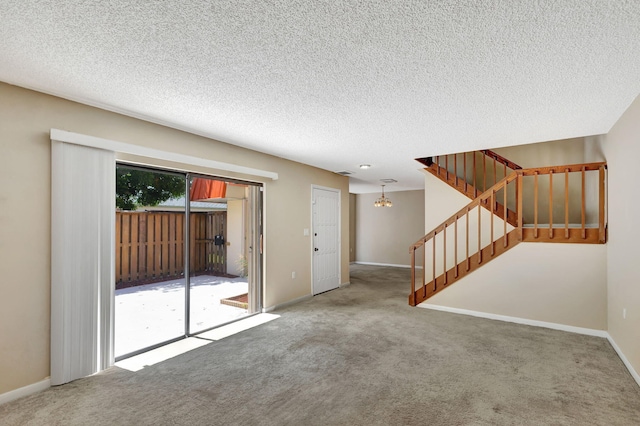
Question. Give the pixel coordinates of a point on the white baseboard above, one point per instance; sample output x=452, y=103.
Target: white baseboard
x=624, y=359
x=517, y=320
x=285, y=304
x=393, y=265
x=25, y=391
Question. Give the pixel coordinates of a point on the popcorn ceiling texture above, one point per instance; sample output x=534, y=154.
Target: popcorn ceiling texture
x=338, y=83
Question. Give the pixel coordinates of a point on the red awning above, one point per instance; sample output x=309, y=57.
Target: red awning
x=204, y=189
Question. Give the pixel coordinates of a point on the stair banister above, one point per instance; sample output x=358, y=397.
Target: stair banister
x=518, y=234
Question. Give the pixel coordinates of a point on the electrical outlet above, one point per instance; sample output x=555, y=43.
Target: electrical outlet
x=624, y=313
x=293, y=275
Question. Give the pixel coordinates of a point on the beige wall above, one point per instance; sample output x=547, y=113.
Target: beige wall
x=622, y=148
x=383, y=235
x=557, y=283
x=352, y=227
x=554, y=153
x=26, y=118
x=236, y=220
x=441, y=202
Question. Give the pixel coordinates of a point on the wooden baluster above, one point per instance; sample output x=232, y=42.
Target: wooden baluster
x=517, y=193
x=484, y=173
x=505, y=213
x=446, y=166
x=455, y=246
x=479, y=233
x=601, y=201
x=493, y=192
x=495, y=177
x=535, y=205
x=424, y=267
x=550, y=203
x=444, y=256
x=464, y=164
x=566, y=203
x=475, y=183
x=467, y=237
x=413, y=275
x=455, y=167
x=583, y=208
x=504, y=170
x=433, y=272
x=519, y=205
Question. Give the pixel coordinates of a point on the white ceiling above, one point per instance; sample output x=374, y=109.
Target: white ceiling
x=338, y=83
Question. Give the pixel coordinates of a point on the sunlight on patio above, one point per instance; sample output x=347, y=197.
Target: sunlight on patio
x=152, y=313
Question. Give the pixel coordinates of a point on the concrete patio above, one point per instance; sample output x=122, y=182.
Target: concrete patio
x=149, y=314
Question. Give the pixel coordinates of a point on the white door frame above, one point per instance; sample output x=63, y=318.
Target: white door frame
x=339, y=242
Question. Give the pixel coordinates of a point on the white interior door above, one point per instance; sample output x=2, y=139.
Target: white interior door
x=326, y=239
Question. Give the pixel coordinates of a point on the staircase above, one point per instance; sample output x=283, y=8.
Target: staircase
x=509, y=205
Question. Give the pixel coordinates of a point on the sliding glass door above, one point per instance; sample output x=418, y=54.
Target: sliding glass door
x=177, y=232
x=218, y=278
x=150, y=241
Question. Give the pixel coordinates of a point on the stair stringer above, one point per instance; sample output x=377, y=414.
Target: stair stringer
x=470, y=192
x=464, y=268
x=449, y=199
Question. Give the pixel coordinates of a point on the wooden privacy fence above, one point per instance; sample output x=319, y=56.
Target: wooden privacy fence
x=150, y=245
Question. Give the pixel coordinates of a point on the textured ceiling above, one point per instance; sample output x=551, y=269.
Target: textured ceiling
x=338, y=83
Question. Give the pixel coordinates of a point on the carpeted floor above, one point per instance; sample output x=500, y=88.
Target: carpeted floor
x=359, y=356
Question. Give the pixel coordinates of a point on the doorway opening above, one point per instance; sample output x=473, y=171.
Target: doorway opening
x=185, y=261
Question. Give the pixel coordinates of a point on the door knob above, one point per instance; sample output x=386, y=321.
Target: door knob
x=315, y=249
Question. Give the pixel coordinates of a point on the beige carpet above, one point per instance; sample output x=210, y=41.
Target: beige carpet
x=359, y=356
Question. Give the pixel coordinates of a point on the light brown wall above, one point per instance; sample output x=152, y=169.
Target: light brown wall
x=26, y=118
x=622, y=148
x=352, y=227
x=441, y=202
x=554, y=153
x=556, y=283
x=235, y=236
x=383, y=234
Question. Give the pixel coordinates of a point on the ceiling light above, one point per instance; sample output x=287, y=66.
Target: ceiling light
x=365, y=166
x=382, y=201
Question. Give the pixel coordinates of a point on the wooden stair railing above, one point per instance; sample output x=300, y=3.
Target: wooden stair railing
x=473, y=236
x=473, y=173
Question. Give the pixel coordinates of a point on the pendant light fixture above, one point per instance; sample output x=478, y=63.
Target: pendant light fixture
x=382, y=201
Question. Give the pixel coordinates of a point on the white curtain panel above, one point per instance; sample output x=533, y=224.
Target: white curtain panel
x=82, y=260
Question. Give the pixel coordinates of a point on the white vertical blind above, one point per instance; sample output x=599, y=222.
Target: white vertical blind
x=82, y=260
